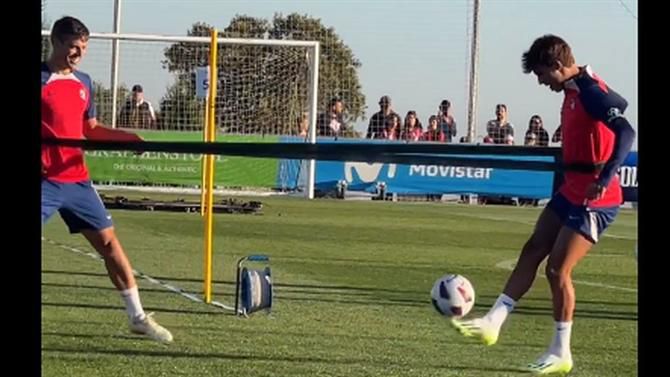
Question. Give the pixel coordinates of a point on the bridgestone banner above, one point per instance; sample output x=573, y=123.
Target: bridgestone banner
x=182, y=169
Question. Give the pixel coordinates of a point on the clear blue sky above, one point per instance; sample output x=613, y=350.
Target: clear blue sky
x=414, y=51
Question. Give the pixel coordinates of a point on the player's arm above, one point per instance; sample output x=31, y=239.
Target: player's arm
x=608, y=107
x=94, y=131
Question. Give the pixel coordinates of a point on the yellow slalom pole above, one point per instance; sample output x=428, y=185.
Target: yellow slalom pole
x=209, y=165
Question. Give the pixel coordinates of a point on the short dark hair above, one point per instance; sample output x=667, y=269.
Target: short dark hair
x=545, y=51
x=391, y=119
x=137, y=88
x=502, y=106
x=334, y=100
x=69, y=26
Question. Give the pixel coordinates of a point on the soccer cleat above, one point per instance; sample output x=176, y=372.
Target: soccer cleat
x=477, y=328
x=551, y=364
x=149, y=327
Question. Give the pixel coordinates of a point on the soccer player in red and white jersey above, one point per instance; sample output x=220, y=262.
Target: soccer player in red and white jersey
x=596, y=140
x=68, y=111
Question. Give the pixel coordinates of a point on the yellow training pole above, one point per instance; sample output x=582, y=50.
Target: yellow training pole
x=209, y=165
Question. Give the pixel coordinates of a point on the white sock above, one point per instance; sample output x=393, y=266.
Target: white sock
x=131, y=297
x=499, y=311
x=560, y=346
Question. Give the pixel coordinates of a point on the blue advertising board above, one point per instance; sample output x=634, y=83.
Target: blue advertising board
x=439, y=179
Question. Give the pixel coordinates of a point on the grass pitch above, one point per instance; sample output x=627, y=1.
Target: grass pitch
x=352, y=283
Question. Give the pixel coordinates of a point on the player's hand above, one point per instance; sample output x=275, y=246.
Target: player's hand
x=131, y=136
x=595, y=191
x=123, y=135
x=137, y=137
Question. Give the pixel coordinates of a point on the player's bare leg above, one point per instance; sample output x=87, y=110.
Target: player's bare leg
x=535, y=250
x=571, y=246
x=121, y=274
x=108, y=246
x=533, y=253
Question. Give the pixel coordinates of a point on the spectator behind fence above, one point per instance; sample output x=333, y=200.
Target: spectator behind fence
x=500, y=129
x=377, y=121
x=302, y=124
x=412, y=129
x=445, y=121
x=391, y=127
x=137, y=112
x=536, y=135
x=557, y=137
x=434, y=133
x=530, y=140
x=331, y=123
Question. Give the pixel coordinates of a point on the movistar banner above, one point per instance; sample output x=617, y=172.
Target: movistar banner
x=434, y=179
x=420, y=179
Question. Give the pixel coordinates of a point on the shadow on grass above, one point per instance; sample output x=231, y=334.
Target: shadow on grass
x=370, y=296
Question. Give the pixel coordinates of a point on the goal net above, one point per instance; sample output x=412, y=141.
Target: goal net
x=158, y=88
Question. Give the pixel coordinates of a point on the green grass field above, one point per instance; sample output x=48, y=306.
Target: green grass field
x=352, y=283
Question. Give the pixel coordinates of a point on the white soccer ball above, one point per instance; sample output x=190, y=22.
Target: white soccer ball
x=453, y=296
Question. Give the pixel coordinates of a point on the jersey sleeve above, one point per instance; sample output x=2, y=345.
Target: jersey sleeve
x=90, y=108
x=607, y=106
x=601, y=102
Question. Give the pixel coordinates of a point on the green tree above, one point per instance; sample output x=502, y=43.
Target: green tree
x=103, y=101
x=46, y=44
x=179, y=109
x=338, y=76
x=264, y=89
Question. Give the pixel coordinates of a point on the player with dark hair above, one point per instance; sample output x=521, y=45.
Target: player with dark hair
x=68, y=111
x=596, y=140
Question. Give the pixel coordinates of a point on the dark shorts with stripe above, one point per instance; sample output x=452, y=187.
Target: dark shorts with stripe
x=78, y=203
x=590, y=222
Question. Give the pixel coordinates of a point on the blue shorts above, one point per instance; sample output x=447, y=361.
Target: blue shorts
x=78, y=203
x=589, y=222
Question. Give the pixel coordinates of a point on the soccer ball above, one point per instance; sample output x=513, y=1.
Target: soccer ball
x=453, y=296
